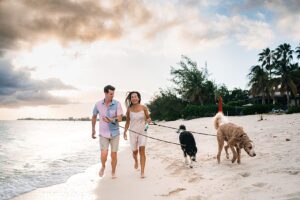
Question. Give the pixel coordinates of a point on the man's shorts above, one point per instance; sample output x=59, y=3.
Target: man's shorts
x=113, y=141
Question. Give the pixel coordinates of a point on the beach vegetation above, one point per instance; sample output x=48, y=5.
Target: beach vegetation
x=274, y=84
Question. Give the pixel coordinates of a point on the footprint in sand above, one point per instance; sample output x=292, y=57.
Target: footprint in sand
x=177, y=171
x=293, y=172
x=194, y=179
x=244, y=174
x=293, y=196
x=260, y=185
x=177, y=190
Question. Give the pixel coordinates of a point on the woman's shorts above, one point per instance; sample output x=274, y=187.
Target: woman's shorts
x=137, y=141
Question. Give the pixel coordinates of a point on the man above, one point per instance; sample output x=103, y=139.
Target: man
x=110, y=113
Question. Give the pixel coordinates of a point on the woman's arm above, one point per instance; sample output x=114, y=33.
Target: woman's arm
x=127, y=124
x=148, y=119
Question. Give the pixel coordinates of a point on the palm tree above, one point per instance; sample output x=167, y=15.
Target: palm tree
x=266, y=57
x=298, y=51
x=258, y=81
x=284, y=69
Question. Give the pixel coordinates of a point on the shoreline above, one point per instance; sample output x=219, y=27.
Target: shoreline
x=273, y=174
x=70, y=189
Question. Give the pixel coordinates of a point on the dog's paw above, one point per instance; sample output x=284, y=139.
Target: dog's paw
x=186, y=162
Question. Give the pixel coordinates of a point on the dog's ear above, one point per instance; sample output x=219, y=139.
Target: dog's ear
x=241, y=145
x=182, y=127
x=240, y=135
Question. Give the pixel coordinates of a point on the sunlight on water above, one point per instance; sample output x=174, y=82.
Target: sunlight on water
x=36, y=154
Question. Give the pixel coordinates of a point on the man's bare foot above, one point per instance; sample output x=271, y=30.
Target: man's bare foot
x=113, y=176
x=143, y=175
x=101, y=172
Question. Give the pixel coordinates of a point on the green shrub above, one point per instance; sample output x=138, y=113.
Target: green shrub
x=194, y=111
x=257, y=109
x=293, y=109
x=166, y=106
x=232, y=110
x=237, y=103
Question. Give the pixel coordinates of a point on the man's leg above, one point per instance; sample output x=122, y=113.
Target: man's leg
x=104, y=142
x=103, y=161
x=114, y=144
x=113, y=164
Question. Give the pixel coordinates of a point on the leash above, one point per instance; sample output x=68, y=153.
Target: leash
x=153, y=138
x=199, y=133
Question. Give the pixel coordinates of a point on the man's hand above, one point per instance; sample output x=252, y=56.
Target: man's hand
x=107, y=119
x=93, y=134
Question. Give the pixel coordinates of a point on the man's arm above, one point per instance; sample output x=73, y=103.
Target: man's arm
x=115, y=119
x=94, y=119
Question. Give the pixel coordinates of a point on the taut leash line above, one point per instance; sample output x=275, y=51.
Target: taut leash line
x=152, y=137
x=155, y=124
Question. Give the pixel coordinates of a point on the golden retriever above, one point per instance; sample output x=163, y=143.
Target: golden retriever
x=235, y=137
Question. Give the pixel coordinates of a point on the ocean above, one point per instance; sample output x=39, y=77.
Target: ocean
x=36, y=154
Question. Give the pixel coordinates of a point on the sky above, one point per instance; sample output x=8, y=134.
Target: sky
x=57, y=56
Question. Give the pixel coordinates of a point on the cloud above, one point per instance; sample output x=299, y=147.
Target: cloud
x=25, y=22
x=192, y=24
x=284, y=14
x=249, y=33
x=18, y=89
x=288, y=16
x=186, y=25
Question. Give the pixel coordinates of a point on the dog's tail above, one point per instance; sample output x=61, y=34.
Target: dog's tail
x=219, y=119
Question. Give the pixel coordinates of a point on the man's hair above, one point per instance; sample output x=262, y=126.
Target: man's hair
x=109, y=87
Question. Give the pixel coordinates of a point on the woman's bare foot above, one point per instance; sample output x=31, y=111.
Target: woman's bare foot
x=136, y=165
x=101, y=172
x=113, y=176
x=143, y=175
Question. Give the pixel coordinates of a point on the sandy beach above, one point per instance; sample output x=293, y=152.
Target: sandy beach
x=273, y=174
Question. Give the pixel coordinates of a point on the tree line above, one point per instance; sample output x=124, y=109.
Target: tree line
x=195, y=95
x=276, y=73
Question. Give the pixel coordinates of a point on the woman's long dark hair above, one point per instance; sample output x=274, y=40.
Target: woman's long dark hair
x=128, y=102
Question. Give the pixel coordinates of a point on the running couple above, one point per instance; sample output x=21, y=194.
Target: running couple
x=110, y=114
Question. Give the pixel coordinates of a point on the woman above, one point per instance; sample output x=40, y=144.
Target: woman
x=136, y=117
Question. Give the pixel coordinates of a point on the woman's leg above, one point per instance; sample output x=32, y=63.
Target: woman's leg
x=142, y=160
x=136, y=163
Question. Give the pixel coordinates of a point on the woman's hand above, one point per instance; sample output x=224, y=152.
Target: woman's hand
x=125, y=136
x=149, y=120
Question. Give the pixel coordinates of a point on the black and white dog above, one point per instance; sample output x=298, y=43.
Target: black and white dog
x=188, y=145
